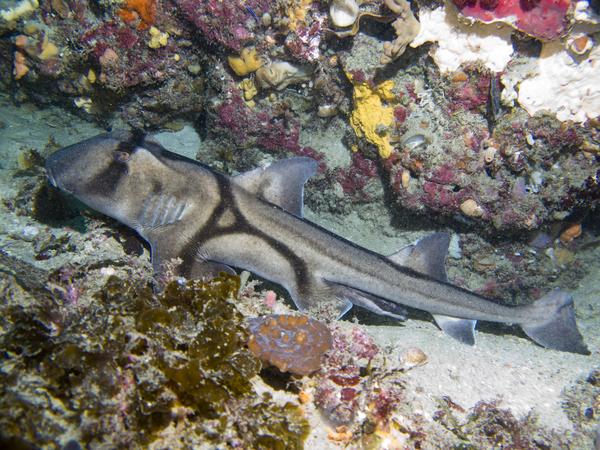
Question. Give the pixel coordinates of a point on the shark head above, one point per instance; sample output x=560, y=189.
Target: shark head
x=95, y=171
x=121, y=174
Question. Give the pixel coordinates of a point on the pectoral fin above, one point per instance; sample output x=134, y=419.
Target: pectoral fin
x=164, y=258
x=319, y=299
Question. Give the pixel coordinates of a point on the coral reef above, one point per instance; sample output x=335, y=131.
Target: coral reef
x=274, y=128
x=488, y=425
x=358, y=396
x=450, y=135
x=135, y=56
x=230, y=25
x=132, y=368
x=294, y=344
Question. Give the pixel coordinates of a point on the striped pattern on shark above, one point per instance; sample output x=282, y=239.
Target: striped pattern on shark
x=254, y=222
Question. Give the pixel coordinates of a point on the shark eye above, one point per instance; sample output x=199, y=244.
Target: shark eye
x=120, y=156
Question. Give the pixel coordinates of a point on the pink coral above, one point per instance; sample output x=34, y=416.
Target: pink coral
x=471, y=94
x=545, y=19
x=338, y=405
x=270, y=299
x=129, y=61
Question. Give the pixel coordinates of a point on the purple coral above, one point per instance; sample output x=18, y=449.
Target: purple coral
x=229, y=24
x=247, y=126
x=356, y=177
x=338, y=405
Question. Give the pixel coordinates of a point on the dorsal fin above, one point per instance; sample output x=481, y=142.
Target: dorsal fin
x=280, y=183
x=427, y=255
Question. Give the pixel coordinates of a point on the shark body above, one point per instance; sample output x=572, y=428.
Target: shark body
x=253, y=221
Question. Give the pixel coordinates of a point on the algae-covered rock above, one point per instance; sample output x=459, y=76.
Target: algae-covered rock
x=137, y=370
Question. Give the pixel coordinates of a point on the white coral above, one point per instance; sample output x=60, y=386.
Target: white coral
x=563, y=85
x=458, y=43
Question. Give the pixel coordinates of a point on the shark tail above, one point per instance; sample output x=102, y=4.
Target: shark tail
x=556, y=328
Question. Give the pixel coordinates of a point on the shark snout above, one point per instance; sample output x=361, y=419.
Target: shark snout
x=51, y=178
x=59, y=169
x=53, y=167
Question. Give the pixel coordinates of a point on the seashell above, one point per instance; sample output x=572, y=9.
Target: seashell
x=579, y=44
x=327, y=110
x=343, y=13
x=405, y=179
x=413, y=357
x=415, y=141
x=266, y=19
x=470, y=208
x=488, y=155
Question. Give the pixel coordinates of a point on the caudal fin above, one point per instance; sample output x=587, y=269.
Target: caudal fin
x=556, y=328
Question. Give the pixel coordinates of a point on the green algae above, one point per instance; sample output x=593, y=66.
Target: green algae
x=133, y=367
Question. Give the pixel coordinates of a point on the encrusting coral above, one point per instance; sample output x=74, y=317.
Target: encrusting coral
x=294, y=344
x=543, y=19
x=371, y=117
x=143, y=11
x=458, y=44
x=247, y=62
x=406, y=26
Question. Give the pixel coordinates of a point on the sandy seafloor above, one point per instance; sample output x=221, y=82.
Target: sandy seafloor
x=524, y=377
